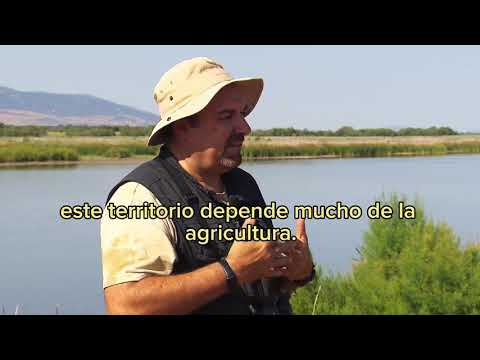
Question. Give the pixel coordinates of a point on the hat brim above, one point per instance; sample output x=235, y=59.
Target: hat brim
x=251, y=87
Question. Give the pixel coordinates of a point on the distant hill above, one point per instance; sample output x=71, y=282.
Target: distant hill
x=41, y=108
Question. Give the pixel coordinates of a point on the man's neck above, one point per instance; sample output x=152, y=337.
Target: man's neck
x=209, y=180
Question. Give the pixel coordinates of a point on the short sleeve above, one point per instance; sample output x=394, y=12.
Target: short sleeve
x=135, y=248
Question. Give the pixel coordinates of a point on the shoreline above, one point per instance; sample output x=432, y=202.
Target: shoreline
x=138, y=159
x=100, y=161
x=53, y=151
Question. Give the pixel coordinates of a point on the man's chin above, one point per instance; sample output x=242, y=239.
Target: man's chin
x=230, y=162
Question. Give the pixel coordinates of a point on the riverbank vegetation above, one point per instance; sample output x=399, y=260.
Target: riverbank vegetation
x=78, y=143
x=29, y=151
x=404, y=267
x=253, y=151
x=79, y=148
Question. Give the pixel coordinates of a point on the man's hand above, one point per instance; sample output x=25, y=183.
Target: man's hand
x=253, y=260
x=301, y=266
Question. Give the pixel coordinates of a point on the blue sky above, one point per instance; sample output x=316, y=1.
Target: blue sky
x=316, y=87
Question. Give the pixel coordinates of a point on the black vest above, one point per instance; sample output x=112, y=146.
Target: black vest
x=171, y=184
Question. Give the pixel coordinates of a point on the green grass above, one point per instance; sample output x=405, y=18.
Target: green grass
x=35, y=150
x=405, y=267
x=356, y=150
x=26, y=152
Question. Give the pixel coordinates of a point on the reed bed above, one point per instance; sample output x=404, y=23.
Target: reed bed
x=41, y=151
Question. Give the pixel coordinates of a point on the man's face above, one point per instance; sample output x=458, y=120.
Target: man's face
x=217, y=140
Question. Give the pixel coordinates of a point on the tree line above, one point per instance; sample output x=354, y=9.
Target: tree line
x=350, y=131
x=71, y=130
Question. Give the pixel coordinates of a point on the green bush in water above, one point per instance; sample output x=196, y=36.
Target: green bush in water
x=405, y=267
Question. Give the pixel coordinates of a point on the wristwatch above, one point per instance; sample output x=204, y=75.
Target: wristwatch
x=305, y=281
x=232, y=280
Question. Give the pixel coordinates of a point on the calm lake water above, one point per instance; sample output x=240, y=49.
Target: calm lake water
x=45, y=260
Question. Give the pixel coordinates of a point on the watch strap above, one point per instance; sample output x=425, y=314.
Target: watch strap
x=230, y=275
x=310, y=278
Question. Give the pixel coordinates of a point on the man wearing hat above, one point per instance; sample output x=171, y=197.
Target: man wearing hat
x=149, y=267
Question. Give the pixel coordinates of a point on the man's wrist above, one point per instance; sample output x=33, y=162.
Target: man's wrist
x=308, y=279
x=230, y=275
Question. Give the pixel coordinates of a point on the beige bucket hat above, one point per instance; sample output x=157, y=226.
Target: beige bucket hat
x=189, y=86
